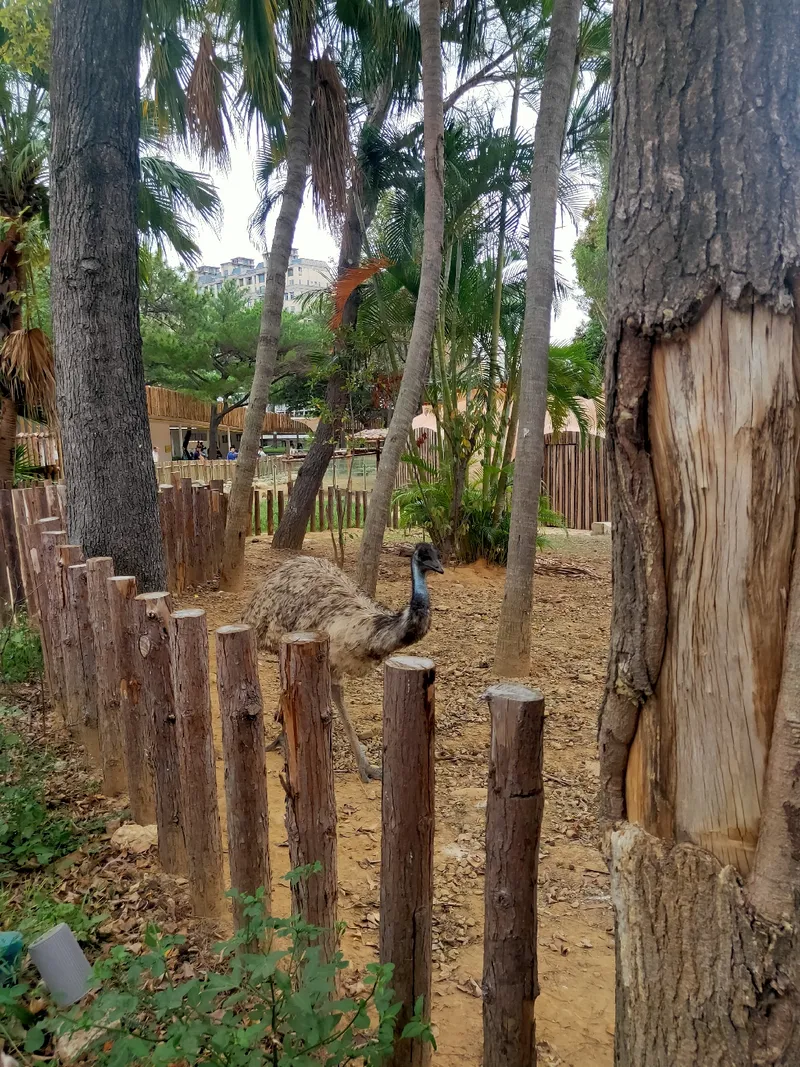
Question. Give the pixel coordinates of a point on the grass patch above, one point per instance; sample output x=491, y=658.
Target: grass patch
x=20, y=652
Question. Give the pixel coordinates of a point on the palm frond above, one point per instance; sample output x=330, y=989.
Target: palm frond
x=206, y=105
x=348, y=282
x=331, y=157
x=27, y=371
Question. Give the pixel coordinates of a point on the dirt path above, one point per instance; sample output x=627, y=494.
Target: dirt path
x=575, y=1010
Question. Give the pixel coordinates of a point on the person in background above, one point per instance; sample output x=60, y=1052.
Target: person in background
x=233, y=454
x=155, y=453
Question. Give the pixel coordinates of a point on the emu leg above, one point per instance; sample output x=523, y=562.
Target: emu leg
x=365, y=770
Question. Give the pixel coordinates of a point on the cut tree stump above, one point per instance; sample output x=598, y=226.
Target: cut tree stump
x=153, y=612
x=190, y=683
x=310, y=798
x=242, y=714
x=514, y=810
x=407, y=825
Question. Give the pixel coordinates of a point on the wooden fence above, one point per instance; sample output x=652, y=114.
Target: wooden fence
x=130, y=676
x=214, y=470
x=575, y=478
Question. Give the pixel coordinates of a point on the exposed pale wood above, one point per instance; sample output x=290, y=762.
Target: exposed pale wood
x=189, y=651
x=407, y=827
x=514, y=809
x=133, y=713
x=310, y=799
x=724, y=439
x=242, y=715
x=153, y=648
x=109, y=725
x=78, y=607
x=709, y=983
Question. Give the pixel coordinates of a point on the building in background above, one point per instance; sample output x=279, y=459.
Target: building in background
x=302, y=277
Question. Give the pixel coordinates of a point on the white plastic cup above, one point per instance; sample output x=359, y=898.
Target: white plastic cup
x=60, y=961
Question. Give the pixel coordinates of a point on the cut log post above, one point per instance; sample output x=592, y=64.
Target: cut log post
x=331, y=508
x=310, y=798
x=270, y=515
x=514, y=810
x=190, y=684
x=252, y=504
x=78, y=607
x=141, y=790
x=51, y=543
x=201, y=502
x=242, y=714
x=74, y=685
x=109, y=725
x=179, y=546
x=48, y=621
x=166, y=512
x=21, y=525
x=396, y=515
x=321, y=502
x=12, y=579
x=153, y=612
x=280, y=505
x=217, y=532
x=256, y=513
x=407, y=824
x=189, y=541
x=357, y=499
x=312, y=519
x=348, y=506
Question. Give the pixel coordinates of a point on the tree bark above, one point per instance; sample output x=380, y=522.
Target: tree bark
x=704, y=439
x=415, y=374
x=297, y=157
x=109, y=726
x=8, y=440
x=512, y=656
x=94, y=165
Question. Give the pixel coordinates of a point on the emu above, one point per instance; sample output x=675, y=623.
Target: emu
x=312, y=594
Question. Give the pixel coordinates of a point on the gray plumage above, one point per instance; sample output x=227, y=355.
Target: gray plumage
x=308, y=594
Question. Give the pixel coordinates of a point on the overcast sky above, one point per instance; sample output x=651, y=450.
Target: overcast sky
x=238, y=194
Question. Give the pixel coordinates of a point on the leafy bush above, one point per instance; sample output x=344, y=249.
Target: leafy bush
x=278, y=1007
x=20, y=651
x=425, y=504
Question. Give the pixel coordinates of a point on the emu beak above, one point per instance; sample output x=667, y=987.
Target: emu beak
x=437, y=566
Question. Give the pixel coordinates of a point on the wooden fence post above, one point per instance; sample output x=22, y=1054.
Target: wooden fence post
x=217, y=532
x=74, y=684
x=242, y=713
x=166, y=512
x=407, y=824
x=51, y=542
x=321, y=501
x=310, y=798
x=109, y=725
x=202, y=532
x=179, y=548
x=48, y=620
x=189, y=553
x=513, y=823
x=280, y=505
x=21, y=525
x=87, y=678
x=331, y=512
x=252, y=504
x=256, y=513
x=12, y=579
x=133, y=713
x=152, y=612
x=270, y=515
x=188, y=638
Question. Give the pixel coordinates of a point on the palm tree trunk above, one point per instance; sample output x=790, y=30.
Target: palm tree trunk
x=415, y=374
x=292, y=528
x=297, y=156
x=112, y=501
x=514, y=633
x=508, y=455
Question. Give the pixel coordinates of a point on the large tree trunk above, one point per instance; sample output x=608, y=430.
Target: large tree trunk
x=361, y=204
x=112, y=503
x=297, y=157
x=512, y=657
x=704, y=441
x=415, y=374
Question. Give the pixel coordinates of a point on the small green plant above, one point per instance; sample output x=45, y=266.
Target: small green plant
x=20, y=651
x=35, y=908
x=277, y=1008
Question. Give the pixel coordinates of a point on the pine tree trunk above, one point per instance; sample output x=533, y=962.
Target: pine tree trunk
x=704, y=440
x=415, y=374
x=297, y=156
x=214, y=420
x=361, y=204
x=512, y=657
x=112, y=502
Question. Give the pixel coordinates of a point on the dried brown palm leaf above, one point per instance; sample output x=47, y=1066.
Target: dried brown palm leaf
x=28, y=373
x=331, y=156
x=350, y=280
x=205, y=103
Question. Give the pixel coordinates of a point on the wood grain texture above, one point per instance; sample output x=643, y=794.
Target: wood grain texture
x=244, y=752
x=407, y=828
x=514, y=810
x=78, y=607
x=307, y=716
x=109, y=723
x=190, y=684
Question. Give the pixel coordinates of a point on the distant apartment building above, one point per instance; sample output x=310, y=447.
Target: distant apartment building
x=302, y=277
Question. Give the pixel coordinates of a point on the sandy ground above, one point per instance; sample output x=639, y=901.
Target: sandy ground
x=575, y=1010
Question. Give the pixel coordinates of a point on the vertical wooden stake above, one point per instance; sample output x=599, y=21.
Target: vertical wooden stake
x=21, y=525
x=252, y=504
x=141, y=791
x=396, y=515
x=152, y=647
x=179, y=548
x=188, y=639
x=280, y=505
x=407, y=823
x=513, y=823
x=166, y=510
x=331, y=512
x=310, y=798
x=256, y=513
x=13, y=577
x=321, y=502
x=270, y=515
x=109, y=725
x=48, y=618
x=51, y=542
x=68, y=556
x=201, y=499
x=217, y=532
x=242, y=714
x=189, y=540
x=81, y=625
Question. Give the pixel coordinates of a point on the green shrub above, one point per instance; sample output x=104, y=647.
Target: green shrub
x=35, y=908
x=20, y=651
x=276, y=1008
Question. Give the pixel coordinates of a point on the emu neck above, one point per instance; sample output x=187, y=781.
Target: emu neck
x=420, y=599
